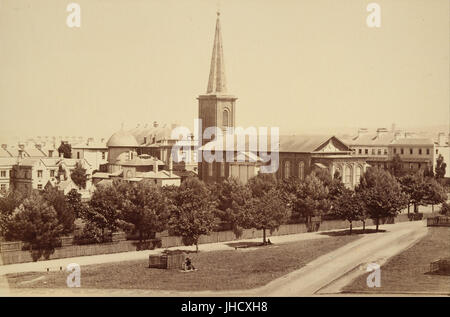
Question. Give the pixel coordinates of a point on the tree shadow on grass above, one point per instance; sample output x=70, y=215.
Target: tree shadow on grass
x=347, y=232
x=246, y=244
x=177, y=251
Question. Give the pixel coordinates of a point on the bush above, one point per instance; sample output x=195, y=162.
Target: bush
x=415, y=216
x=148, y=245
x=445, y=209
x=91, y=235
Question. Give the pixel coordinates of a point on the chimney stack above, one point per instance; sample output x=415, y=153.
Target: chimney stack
x=381, y=131
x=4, y=146
x=441, y=139
x=155, y=124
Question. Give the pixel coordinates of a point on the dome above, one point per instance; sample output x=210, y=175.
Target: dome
x=122, y=139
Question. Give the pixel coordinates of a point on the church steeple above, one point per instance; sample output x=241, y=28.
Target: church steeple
x=217, y=81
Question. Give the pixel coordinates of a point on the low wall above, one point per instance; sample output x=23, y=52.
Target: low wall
x=11, y=252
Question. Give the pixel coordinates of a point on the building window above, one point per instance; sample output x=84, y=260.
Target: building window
x=39, y=173
x=39, y=186
x=347, y=175
x=222, y=169
x=360, y=151
x=301, y=170
x=103, y=155
x=385, y=152
x=366, y=151
x=3, y=187
x=3, y=174
x=428, y=151
x=402, y=151
x=78, y=155
x=287, y=169
x=210, y=169
x=373, y=151
x=50, y=153
x=420, y=151
x=225, y=118
x=379, y=152
x=410, y=151
x=395, y=151
x=437, y=151
x=358, y=174
x=52, y=173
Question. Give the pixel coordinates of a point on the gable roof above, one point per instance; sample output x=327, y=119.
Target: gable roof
x=413, y=141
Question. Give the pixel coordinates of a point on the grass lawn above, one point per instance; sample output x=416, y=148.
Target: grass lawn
x=241, y=268
x=409, y=271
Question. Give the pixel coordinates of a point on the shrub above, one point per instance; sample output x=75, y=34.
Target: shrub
x=90, y=235
x=445, y=209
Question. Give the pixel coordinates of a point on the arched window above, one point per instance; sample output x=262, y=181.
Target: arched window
x=301, y=170
x=225, y=118
x=358, y=174
x=347, y=175
x=287, y=169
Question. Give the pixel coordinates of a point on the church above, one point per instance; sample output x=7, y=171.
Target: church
x=297, y=155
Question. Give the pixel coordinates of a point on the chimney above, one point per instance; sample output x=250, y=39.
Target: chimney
x=155, y=165
x=155, y=124
x=38, y=146
x=21, y=146
x=441, y=139
x=397, y=135
x=4, y=146
x=362, y=131
x=21, y=154
x=381, y=131
x=89, y=141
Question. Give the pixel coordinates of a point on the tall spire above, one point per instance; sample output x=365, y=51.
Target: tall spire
x=217, y=82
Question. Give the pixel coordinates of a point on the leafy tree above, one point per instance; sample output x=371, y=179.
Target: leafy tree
x=64, y=212
x=233, y=200
x=144, y=207
x=434, y=193
x=66, y=149
x=103, y=208
x=261, y=184
x=349, y=206
x=312, y=199
x=194, y=211
x=79, y=176
x=36, y=223
x=73, y=199
x=397, y=166
x=8, y=203
x=440, y=167
x=381, y=194
x=268, y=211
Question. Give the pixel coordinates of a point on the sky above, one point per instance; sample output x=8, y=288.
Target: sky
x=304, y=66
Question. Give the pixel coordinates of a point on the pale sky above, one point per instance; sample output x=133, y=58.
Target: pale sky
x=300, y=65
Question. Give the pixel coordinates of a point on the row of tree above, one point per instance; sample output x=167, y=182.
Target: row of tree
x=194, y=208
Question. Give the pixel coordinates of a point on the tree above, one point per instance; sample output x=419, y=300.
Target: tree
x=381, y=194
x=440, y=167
x=8, y=203
x=193, y=214
x=36, y=223
x=261, y=184
x=434, y=193
x=348, y=206
x=233, y=200
x=445, y=210
x=103, y=208
x=64, y=212
x=66, y=149
x=73, y=199
x=144, y=207
x=79, y=176
x=397, y=166
x=268, y=211
x=312, y=199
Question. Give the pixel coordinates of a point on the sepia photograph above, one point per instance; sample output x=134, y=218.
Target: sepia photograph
x=224, y=153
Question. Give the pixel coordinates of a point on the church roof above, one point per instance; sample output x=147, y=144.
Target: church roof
x=217, y=81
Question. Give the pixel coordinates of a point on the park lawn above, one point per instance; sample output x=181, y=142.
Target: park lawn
x=409, y=271
x=243, y=268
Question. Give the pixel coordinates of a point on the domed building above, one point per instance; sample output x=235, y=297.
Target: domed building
x=122, y=147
